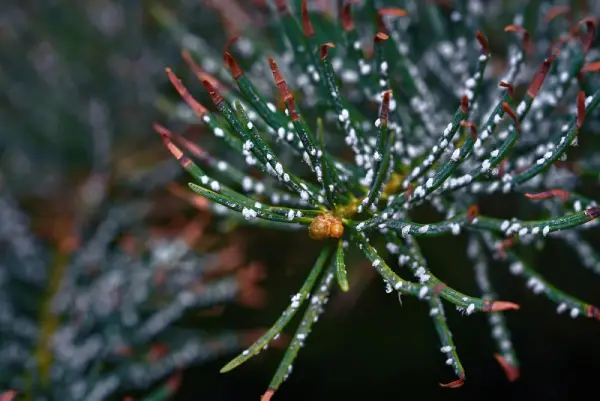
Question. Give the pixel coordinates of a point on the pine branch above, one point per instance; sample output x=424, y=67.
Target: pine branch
x=452, y=130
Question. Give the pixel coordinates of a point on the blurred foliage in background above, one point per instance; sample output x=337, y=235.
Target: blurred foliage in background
x=108, y=282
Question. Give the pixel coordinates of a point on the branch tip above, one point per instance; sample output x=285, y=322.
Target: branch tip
x=324, y=47
x=230, y=62
x=198, y=109
x=512, y=115
x=593, y=312
x=580, y=109
x=511, y=371
x=483, y=42
x=497, y=306
x=509, y=88
x=162, y=130
x=172, y=148
x=380, y=37
x=594, y=66
x=592, y=212
x=267, y=395
x=284, y=90
x=525, y=34
x=306, y=24
x=588, y=38
x=540, y=75
x=464, y=104
x=346, y=17
x=388, y=11
x=230, y=42
x=282, y=7
x=392, y=11
x=558, y=193
x=385, y=107
x=472, y=127
x=472, y=212
x=455, y=384
x=212, y=91
x=557, y=11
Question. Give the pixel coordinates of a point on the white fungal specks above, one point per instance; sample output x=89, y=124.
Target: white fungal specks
x=259, y=187
x=485, y=166
x=344, y=115
x=279, y=168
x=215, y=186
x=249, y=214
x=521, y=108
x=536, y=285
x=296, y=299
x=364, y=67
x=455, y=155
x=516, y=268
x=405, y=230
x=428, y=166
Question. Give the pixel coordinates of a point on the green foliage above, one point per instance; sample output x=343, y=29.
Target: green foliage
x=383, y=114
x=105, y=305
x=79, y=82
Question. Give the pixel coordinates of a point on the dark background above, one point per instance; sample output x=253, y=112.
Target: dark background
x=379, y=350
